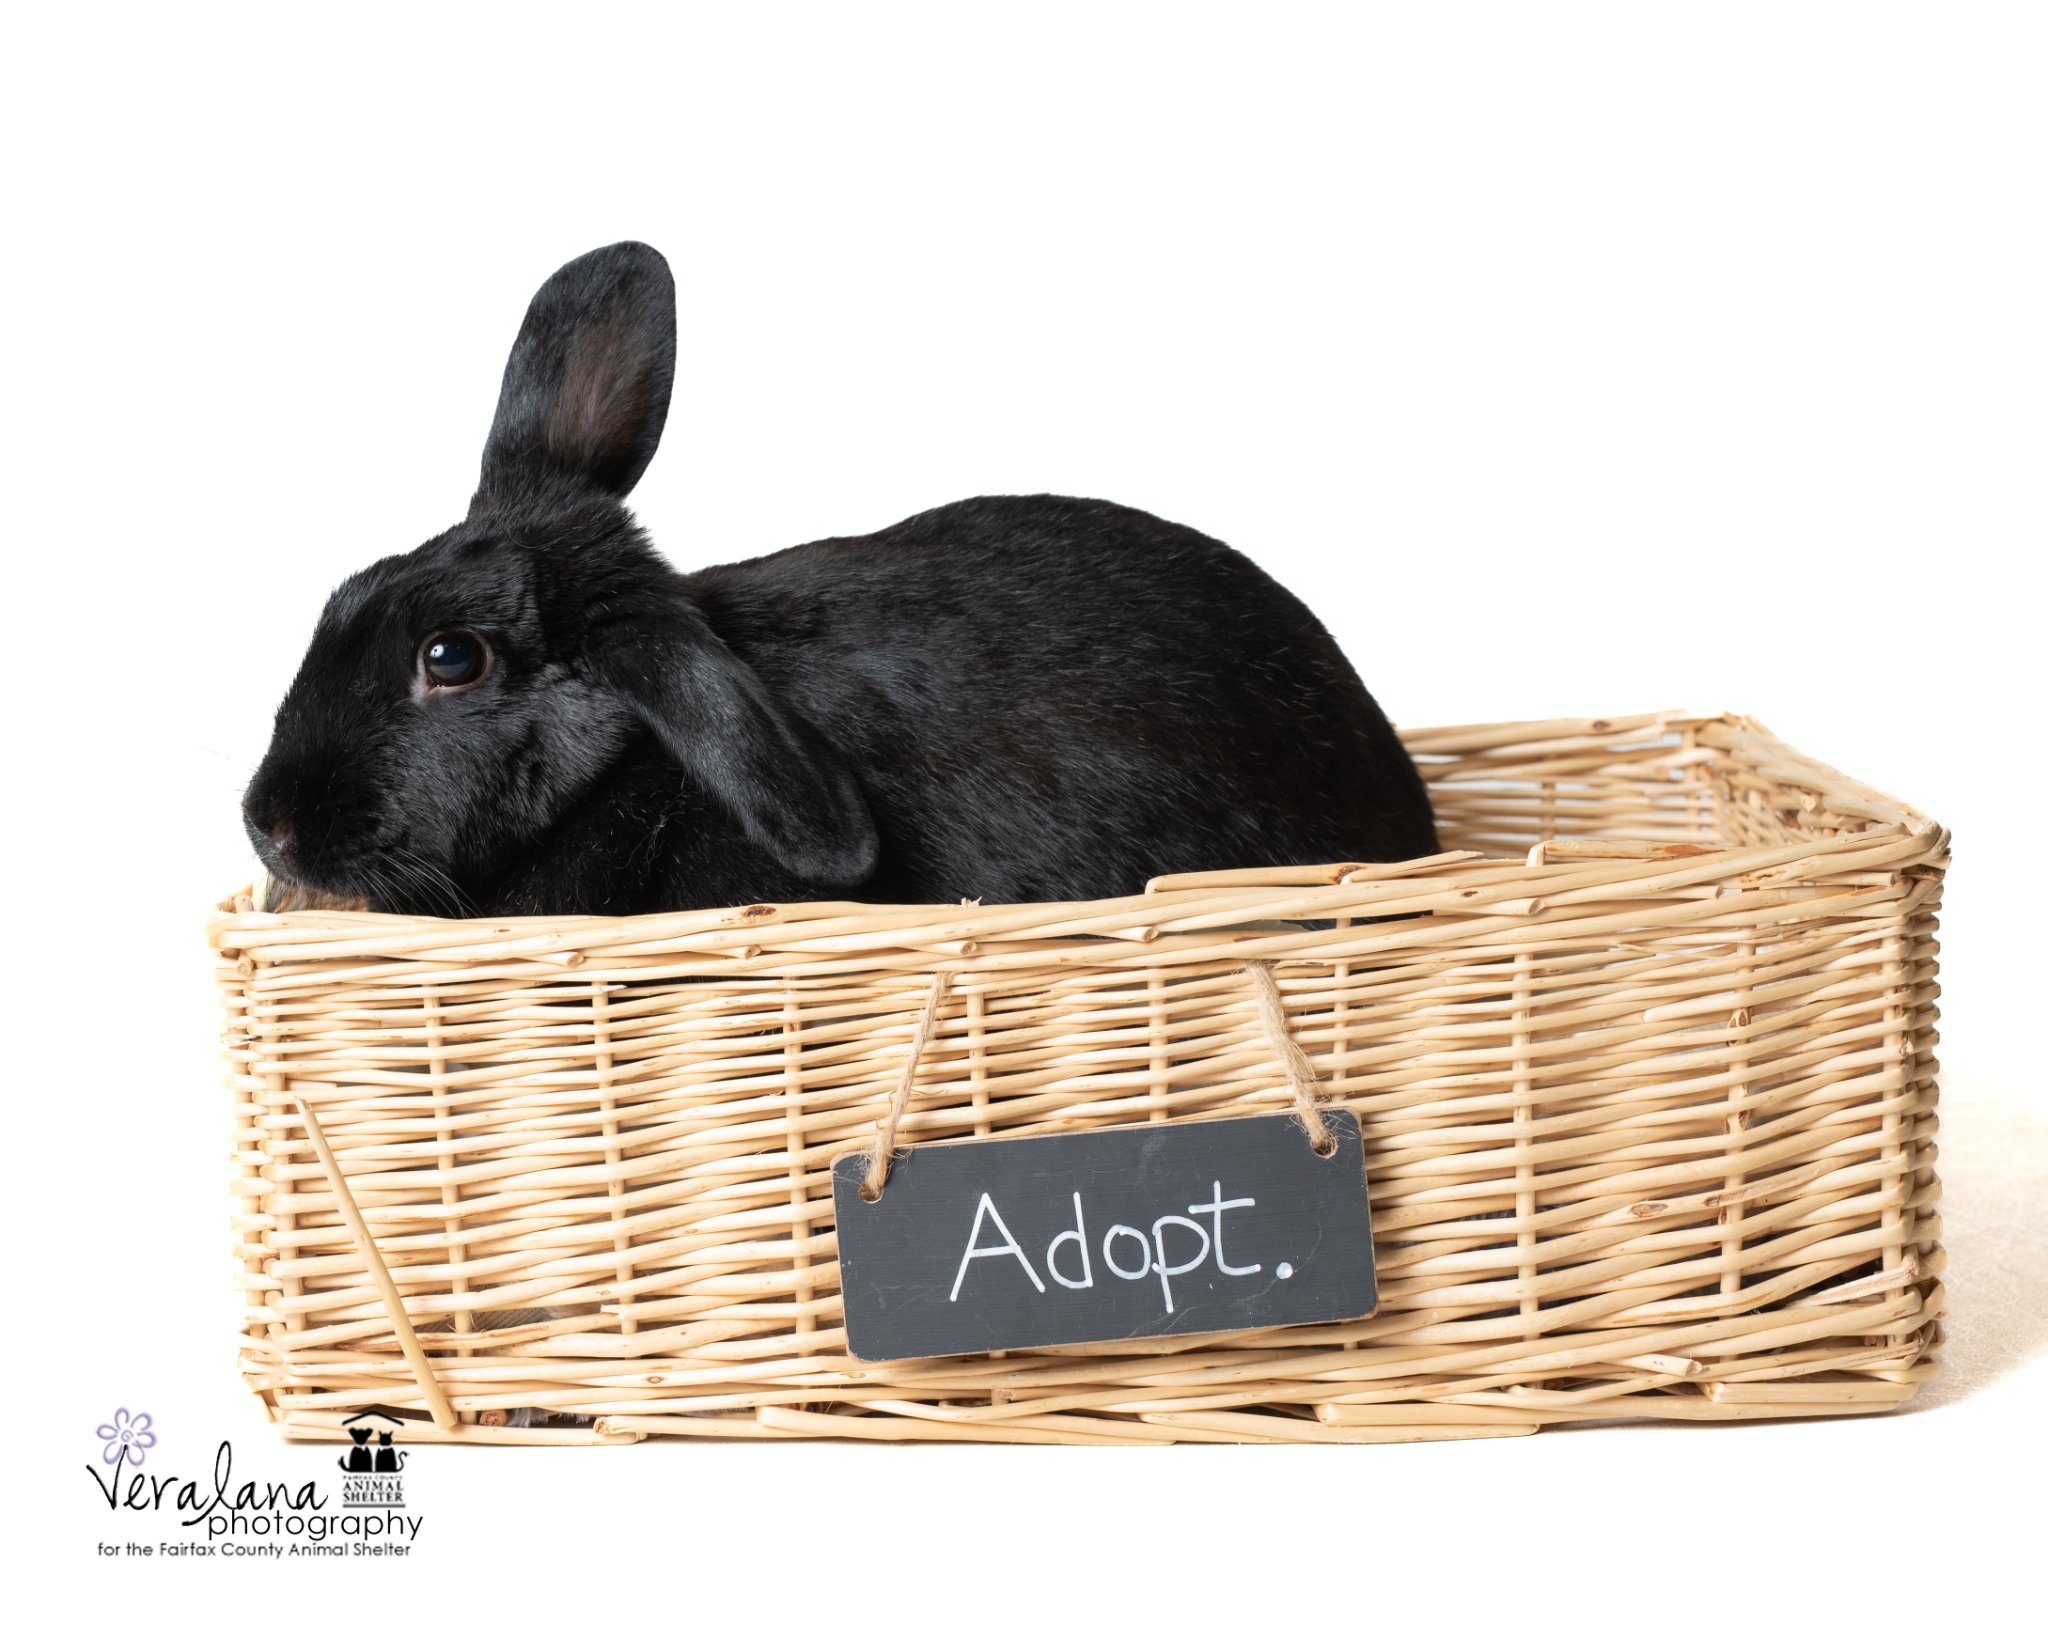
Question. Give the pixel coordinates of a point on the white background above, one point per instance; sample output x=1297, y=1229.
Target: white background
x=1568, y=359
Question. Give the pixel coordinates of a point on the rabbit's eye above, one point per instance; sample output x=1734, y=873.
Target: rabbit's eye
x=450, y=659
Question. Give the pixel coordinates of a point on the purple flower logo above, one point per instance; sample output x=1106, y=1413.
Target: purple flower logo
x=127, y=1437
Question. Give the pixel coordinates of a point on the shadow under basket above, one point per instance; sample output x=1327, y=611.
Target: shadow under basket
x=1644, y=1066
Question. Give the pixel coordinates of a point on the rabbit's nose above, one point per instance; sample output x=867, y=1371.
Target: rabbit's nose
x=267, y=814
x=273, y=826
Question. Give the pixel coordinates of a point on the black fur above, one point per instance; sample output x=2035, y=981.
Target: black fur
x=1008, y=698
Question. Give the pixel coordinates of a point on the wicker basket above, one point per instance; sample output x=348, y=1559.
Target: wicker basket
x=1645, y=1069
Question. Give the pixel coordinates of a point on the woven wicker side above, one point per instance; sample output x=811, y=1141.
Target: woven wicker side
x=1644, y=1065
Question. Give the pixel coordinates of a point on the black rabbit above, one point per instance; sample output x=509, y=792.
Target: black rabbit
x=1007, y=698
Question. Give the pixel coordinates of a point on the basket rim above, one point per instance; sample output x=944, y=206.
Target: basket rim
x=1895, y=838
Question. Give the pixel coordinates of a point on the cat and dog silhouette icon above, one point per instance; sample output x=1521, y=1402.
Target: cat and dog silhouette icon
x=362, y=1458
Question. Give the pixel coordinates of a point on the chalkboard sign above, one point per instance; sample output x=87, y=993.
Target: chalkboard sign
x=1139, y=1231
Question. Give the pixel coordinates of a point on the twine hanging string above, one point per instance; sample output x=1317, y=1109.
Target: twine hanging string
x=884, y=1143
x=1294, y=1064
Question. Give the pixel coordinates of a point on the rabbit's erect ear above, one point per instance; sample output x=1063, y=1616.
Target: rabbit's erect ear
x=587, y=386
x=791, y=792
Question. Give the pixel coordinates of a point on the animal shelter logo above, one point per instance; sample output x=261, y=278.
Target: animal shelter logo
x=373, y=1464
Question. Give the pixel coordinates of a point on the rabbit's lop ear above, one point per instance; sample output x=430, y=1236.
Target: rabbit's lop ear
x=764, y=764
x=587, y=386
